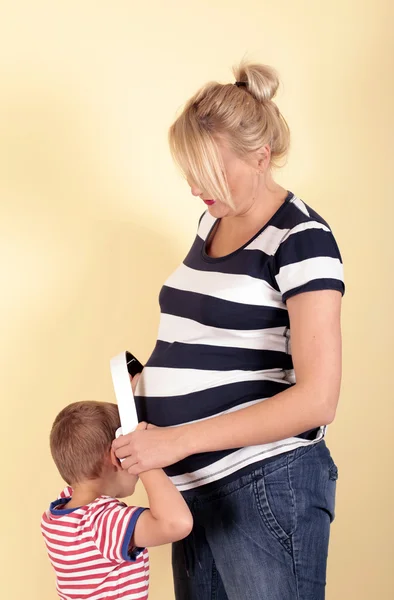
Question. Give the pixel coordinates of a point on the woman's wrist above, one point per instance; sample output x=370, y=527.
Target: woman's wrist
x=185, y=440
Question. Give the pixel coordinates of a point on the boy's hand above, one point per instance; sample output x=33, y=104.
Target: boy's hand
x=154, y=448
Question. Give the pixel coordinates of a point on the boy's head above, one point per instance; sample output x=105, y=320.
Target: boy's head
x=81, y=439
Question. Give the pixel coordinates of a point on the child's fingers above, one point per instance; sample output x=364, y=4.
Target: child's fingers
x=142, y=425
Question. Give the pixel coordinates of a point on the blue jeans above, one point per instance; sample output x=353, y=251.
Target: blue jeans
x=263, y=536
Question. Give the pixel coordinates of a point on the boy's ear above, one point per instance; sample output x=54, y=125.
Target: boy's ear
x=114, y=459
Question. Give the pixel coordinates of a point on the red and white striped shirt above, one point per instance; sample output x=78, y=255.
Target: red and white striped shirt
x=89, y=548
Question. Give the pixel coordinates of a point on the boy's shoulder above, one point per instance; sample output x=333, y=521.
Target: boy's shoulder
x=58, y=508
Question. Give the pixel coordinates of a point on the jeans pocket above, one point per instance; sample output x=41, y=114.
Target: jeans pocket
x=326, y=483
x=332, y=470
x=275, y=502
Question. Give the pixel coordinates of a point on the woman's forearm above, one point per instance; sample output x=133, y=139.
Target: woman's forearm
x=287, y=414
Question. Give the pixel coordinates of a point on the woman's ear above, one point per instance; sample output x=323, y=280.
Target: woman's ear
x=264, y=158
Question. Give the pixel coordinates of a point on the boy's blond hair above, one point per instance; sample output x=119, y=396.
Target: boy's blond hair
x=81, y=438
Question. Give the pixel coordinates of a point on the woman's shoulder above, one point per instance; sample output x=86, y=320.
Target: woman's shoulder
x=298, y=212
x=307, y=257
x=299, y=225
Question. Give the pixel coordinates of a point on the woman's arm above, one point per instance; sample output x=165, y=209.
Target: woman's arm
x=316, y=350
x=310, y=403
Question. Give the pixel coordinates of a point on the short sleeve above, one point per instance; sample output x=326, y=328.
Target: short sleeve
x=308, y=259
x=112, y=526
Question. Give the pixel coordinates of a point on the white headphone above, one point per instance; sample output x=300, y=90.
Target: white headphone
x=124, y=394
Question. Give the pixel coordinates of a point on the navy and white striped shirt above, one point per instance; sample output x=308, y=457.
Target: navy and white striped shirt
x=224, y=339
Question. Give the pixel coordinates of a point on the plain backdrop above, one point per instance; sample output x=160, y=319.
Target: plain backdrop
x=94, y=217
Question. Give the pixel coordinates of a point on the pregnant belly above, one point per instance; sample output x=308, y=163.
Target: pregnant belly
x=166, y=397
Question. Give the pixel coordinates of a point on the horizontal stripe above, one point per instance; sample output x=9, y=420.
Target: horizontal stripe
x=180, y=382
x=105, y=594
x=112, y=584
x=69, y=520
x=208, y=357
x=174, y=329
x=196, y=462
x=242, y=289
x=68, y=528
x=224, y=335
x=75, y=555
x=304, y=227
x=292, y=215
x=99, y=566
x=89, y=571
x=86, y=553
x=164, y=412
x=59, y=543
x=205, y=459
x=306, y=244
x=239, y=459
x=316, y=239
x=65, y=538
x=67, y=562
x=137, y=578
x=268, y=242
x=297, y=274
x=214, y=312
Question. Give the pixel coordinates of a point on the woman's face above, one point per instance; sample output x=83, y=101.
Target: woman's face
x=245, y=178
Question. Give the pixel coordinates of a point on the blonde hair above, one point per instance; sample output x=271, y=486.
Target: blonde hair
x=81, y=438
x=244, y=115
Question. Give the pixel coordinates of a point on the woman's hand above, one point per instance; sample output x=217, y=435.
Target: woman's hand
x=151, y=448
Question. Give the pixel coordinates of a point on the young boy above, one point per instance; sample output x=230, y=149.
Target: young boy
x=97, y=544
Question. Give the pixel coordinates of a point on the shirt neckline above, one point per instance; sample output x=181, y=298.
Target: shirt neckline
x=212, y=259
x=54, y=510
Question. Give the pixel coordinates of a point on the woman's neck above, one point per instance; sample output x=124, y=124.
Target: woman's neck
x=267, y=200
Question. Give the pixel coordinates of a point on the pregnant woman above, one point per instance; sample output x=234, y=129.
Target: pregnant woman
x=245, y=375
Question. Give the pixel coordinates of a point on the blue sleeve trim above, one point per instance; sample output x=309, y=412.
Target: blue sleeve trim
x=316, y=285
x=130, y=554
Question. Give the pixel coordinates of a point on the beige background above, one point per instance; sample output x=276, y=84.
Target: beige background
x=94, y=217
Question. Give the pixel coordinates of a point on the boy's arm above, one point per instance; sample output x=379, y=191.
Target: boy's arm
x=168, y=519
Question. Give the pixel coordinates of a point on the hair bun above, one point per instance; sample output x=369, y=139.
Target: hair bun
x=262, y=81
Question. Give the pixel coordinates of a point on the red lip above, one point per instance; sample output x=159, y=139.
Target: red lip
x=209, y=202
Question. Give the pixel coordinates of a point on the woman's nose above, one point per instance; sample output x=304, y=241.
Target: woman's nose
x=195, y=190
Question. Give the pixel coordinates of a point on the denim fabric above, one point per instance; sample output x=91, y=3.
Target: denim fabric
x=263, y=536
